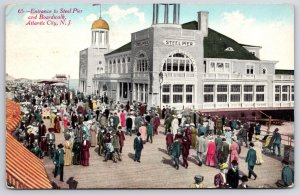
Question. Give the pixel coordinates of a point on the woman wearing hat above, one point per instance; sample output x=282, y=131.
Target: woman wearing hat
x=68, y=151
x=211, y=152
x=234, y=150
x=193, y=135
x=258, y=149
x=220, y=178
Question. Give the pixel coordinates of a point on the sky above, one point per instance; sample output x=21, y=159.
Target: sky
x=41, y=51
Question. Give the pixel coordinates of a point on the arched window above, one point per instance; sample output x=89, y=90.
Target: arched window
x=142, y=63
x=264, y=71
x=178, y=62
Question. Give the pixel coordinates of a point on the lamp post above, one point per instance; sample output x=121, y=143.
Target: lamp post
x=161, y=78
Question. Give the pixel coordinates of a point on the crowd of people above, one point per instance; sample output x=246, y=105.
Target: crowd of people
x=87, y=121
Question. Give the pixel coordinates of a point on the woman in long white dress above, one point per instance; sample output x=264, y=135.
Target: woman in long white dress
x=258, y=149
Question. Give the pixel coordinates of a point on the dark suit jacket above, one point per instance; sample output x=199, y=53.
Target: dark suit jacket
x=251, y=157
x=138, y=144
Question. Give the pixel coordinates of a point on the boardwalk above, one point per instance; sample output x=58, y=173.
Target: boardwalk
x=155, y=169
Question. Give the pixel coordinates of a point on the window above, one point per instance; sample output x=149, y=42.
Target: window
x=229, y=49
x=189, y=98
x=177, y=88
x=260, y=97
x=284, y=97
x=222, y=98
x=292, y=88
x=292, y=97
x=142, y=63
x=235, y=97
x=175, y=65
x=114, y=61
x=208, y=98
x=252, y=52
x=235, y=88
x=123, y=60
x=222, y=88
x=208, y=88
x=248, y=88
x=277, y=97
x=277, y=88
x=264, y=71
x=128, y=59
x=284, y=88
x=248, y=97
x=260, y=88
x=100, y=62
x=178, y=62
x=166, y=88
x=166, y=99
x=177, y=98
x=250, y=69
x=189, y=88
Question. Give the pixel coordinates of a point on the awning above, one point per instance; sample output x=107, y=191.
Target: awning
x=23, y=169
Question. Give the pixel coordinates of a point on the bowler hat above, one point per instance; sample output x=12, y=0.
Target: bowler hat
x=234, y=163
x=199, y=178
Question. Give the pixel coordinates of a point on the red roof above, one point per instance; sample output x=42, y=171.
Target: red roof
x=23, y=169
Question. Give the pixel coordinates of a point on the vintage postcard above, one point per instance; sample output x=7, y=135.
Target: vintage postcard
x=142, y=96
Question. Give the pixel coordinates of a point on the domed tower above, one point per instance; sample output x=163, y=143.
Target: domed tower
x=100, y=34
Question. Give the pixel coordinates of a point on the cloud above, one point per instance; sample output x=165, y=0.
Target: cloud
x=276, y=37
x=116, y=13
x=91, y=18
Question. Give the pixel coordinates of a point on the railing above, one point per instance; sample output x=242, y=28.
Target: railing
x=179, y=74
x=284, y=77
x=234, y=76
x=112, y=75
x=285, y=139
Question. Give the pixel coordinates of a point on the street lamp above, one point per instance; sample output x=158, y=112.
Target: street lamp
x=161, y=78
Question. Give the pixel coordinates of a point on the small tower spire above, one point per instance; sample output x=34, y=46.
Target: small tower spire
x=99, y=9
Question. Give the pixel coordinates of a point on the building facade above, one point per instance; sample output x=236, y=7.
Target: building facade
x=184, y=66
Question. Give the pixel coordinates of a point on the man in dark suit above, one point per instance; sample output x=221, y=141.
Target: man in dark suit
x=59, y=162
x=138, y=147
x=224, y=151
x=251, y=160
x=233, y=177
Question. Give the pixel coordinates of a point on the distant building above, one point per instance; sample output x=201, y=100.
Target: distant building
x=200, y=67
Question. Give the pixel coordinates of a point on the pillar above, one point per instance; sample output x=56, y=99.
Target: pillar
x=175, y=14
x=154, y=14
x=144, y=92
x=157, y=13
x=178, y=13
x=166, y=14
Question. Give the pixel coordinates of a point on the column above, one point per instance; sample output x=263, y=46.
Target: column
x=175, y=14
x=171, y=95
x=107, y=39
x=100, y=39
x=128, y=91
x=178, y=13
x=184, y=95
x=144, y=92
x=138, y=93
x=154, y=14
x=157, y=13
x=166, y=14
x=92, y=37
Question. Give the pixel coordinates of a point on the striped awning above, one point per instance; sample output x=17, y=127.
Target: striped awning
x=23, y=169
